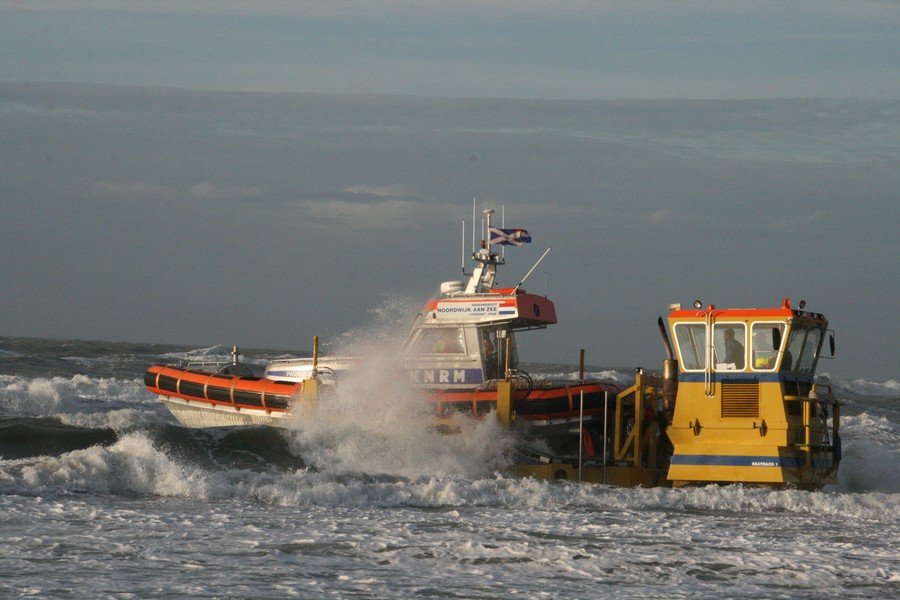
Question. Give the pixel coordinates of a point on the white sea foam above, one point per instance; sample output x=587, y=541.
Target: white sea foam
x=890, y=387
x=130, y=465
x=121, y=419
x=398, y=510
x=210, y=353
x=866, y=387
x=133, y=465
x=79, y=400
x=871, y=454
x=389, y=324
x=524, y=551
x=604, y=375
x=386, y=433
x=466, y=535
x=376, y=422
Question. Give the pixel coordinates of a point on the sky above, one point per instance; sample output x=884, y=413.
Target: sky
x=259, y=173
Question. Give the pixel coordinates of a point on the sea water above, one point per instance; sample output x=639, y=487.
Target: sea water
x=103, y=494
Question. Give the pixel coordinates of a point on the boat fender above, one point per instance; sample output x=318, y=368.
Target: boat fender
x=836, y=448
x=588, y=443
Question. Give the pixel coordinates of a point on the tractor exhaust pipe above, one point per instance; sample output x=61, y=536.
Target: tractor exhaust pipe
x=670, y=372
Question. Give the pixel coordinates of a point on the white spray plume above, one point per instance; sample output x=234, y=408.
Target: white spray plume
x=376, y=421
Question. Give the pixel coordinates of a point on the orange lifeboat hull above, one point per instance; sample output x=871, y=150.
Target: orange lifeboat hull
x=222, y=391
x=555, y=403
x=546, y=405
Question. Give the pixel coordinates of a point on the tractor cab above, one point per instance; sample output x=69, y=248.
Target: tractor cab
x=747, y=406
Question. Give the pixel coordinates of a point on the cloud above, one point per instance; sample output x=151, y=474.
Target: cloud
x=142, y=190
x=343, y=8
x=395, y=191
x=133, y=189
x=355, y=172
x=872, y=9
x=207, y=189
x=509, y=48
x=797, y=224
x=384, y=214
x=368, y=207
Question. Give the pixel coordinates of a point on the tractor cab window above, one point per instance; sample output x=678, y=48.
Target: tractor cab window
x=766, y=338
x=730, y=346
x=691, y=341
x=802, y=353
x=805, y=348
x=810, y=356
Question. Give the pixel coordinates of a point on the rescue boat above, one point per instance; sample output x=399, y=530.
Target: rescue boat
x=460, y=345
x=212, y=395
x=736, y=401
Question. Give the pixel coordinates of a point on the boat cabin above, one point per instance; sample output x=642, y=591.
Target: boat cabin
x=467, y=335
x=460, y=339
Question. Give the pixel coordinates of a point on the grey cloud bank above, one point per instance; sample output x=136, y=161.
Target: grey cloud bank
x=638, y=49
x=158, y=214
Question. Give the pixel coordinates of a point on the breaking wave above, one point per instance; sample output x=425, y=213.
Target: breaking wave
x=66, y=440
x=376, y=422
x=866, y=387
x=370, y=446
x=80, y=400
x=136, y=465
x=871, y=454
x=212, y=353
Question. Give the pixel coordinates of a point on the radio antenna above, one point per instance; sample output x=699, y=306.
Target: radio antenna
x=516, y=289
x=473, y=224
x=462, y=250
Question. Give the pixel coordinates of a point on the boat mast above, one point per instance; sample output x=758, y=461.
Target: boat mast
x=502, y=226
x=473, y=224
x=482, y=279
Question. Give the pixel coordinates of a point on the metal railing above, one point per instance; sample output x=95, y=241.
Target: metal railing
x=637, y=445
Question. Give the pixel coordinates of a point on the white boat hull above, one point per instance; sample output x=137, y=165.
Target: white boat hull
x=198, y=415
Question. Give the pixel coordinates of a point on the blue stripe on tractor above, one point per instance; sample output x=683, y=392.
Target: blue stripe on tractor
x=719, y=460
x=697, y=377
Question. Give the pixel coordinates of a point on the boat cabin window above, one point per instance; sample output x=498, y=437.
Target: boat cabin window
x=802, y=352
x=440, y=340
x=691, y=340
x=764, y=351
x=493, y=348
x=730, y=346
